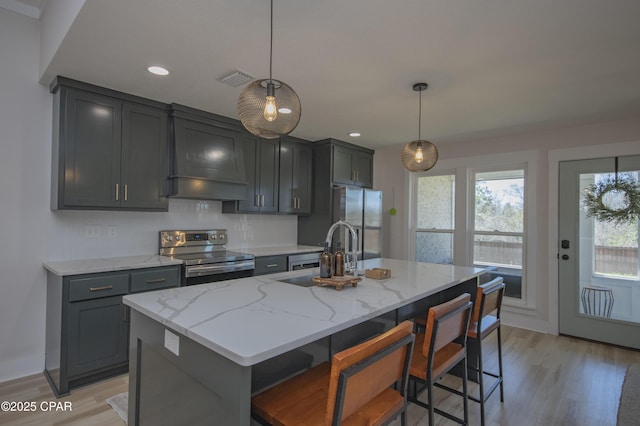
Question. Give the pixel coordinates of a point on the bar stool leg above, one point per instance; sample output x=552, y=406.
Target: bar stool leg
x=465, y=393
x=500, y=365
x=480, y=379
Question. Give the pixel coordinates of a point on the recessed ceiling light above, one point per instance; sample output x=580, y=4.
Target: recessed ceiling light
x=284, y=110
x=354, y=134
x=158, y=70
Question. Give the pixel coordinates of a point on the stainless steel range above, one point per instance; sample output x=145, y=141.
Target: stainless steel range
x=204, y=256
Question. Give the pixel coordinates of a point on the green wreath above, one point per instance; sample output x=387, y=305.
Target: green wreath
x=596, y=207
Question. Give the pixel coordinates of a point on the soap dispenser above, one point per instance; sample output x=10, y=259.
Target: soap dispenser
x=326, y=262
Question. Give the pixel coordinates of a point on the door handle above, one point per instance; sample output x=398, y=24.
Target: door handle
x=565, y=257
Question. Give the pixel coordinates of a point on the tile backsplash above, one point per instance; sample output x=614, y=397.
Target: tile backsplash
x=91, y=234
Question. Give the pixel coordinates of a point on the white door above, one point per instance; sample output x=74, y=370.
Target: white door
x=599, y=282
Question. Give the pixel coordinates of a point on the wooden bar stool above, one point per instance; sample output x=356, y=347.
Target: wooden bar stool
x=355, y=389
x=484, y=321
x=438, y=351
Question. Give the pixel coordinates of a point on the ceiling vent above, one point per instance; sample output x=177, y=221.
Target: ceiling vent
x=236, y=78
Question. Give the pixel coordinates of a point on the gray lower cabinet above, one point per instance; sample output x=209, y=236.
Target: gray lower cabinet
x=87, y=330
x=295, y=176
x=109, y=149
x=270, y=264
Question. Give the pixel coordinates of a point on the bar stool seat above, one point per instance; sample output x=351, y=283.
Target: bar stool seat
x=355, y=389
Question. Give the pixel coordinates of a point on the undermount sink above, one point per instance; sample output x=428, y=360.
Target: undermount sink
x=302, y=281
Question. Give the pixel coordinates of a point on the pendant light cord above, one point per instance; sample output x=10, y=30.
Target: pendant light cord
x=616, y=171
x=271, y=44
x=420, y=116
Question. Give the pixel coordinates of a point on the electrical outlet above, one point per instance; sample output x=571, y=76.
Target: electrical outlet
x=112, y=231
x=92, y=231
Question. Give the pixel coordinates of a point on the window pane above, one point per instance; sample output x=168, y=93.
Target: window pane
x=435, y=202
x=500, y=201
x=498, y=250
x=616, y=246
x=434, y=247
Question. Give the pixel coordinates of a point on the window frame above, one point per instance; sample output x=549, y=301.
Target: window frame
x=464, y=169
x=414, y=210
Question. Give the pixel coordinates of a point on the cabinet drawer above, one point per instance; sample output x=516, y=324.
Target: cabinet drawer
x=154, y=279
x=270, y=264
x=98, y=286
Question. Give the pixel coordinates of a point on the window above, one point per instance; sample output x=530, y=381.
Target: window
x=471, y=212
x=435, y=209
x=498, y=233
x=615, y=246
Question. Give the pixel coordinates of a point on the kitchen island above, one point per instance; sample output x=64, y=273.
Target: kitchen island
x=198, y=353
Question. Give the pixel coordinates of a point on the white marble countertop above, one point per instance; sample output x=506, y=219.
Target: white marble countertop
x=277, y=250
x=90, y=266
x=253, y=319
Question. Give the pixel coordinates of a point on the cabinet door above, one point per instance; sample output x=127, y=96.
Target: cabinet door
x=362, y=164
x=295, y=177
x=144, y=155
x=97, y=335
x=342, y=168
x=302, y=178
x=269, y=164
x=92, y=126
x=252, y=168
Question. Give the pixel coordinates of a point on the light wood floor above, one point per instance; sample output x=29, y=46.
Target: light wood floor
x=549, y=380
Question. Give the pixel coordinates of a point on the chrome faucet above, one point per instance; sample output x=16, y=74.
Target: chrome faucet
x=351, y=266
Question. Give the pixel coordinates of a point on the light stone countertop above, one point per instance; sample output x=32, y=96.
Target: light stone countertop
x=277, y=250
x=252, y=319
x=89, y=266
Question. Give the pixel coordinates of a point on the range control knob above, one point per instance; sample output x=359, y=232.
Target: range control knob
x=221, y=236
x=178, y=237
x=213, y=236
x=169, y=238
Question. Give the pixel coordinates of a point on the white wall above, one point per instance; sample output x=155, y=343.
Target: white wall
x=32, y=233
x=612, y=138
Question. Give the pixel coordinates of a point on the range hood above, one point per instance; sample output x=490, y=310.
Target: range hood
x=206, y=157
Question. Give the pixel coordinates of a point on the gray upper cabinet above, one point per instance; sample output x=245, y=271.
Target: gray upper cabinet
x=295, y=176
x=109, y=152
x=352, y=165
x=262, y=162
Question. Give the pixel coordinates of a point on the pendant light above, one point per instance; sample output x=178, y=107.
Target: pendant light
x=269, y=108
x=419, y=155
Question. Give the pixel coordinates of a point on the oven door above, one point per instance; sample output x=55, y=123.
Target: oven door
x=212, y=272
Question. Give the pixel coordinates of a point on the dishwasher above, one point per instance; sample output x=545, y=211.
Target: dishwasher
x=296, y=262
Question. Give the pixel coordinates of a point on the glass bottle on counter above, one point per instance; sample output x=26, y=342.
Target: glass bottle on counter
x=338, y=259
x=326, y=262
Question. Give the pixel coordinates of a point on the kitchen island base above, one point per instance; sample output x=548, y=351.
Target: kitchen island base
x=202, y=386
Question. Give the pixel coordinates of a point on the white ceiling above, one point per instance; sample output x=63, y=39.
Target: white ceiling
x=493, y=67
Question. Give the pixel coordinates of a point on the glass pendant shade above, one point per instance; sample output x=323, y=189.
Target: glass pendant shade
x=266, y=120
x=419, y=156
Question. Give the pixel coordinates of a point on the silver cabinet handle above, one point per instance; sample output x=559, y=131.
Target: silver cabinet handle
x=256, y=200
x=271, y=265
x=117, y=192
x=106, y=287
x=156, y=280
x=126, y=192
x=261, y=200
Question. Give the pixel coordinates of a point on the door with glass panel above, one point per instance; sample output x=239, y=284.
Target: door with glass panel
x=598, y=263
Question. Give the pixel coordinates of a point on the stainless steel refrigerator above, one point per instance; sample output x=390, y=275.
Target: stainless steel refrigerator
x=362, y=208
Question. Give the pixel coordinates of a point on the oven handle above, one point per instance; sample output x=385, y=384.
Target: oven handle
x=219, y=267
